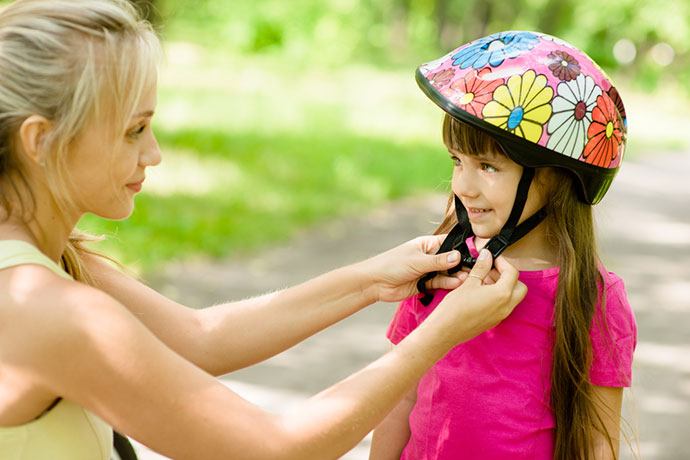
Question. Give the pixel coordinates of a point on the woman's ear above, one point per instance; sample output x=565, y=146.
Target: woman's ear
x=32, y=134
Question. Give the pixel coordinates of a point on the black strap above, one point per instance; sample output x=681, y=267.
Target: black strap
x=123, y=447
x=500, y=242
x=509, y=234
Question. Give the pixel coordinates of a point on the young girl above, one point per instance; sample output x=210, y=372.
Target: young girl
x=536, y=132
x=77, y=94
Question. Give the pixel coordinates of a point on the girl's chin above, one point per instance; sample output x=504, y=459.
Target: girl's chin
x=482, y=233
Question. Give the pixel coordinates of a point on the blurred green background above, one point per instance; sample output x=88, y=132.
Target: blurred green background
x=274, y=115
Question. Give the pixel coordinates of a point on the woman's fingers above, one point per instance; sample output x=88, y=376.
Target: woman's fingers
x=481, y=268
x=507, y=273
x=432, y=243
x=508, y=280
x=444, y=282
x=432, y=262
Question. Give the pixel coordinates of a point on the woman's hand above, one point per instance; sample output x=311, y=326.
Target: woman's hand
x=480, y=303
x=394, y=273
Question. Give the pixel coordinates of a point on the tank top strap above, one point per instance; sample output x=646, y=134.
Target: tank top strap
x=17, y=252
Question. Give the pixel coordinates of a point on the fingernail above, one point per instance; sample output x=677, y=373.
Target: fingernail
x=452, y=257
x=483, y=254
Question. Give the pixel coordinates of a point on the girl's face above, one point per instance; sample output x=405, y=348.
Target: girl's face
x=108, y=178
x=486, y=185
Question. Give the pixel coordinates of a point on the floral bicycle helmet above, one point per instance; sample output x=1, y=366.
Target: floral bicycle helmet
x=545, y=102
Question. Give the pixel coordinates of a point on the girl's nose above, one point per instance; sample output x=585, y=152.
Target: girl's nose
x=464, y=183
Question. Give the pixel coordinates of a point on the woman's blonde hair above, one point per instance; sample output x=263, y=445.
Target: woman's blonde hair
x=70, y=61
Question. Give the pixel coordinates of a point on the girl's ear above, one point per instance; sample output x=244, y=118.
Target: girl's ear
x=32, y=134
x=546, y=179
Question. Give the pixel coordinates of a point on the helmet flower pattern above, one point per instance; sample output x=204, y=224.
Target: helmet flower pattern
x=494, y=49
x=605, y=134
x=545, y=99
x=572, y=115
x=563, y=65
x=441, y=78
x=618, y=102
x=473, y=91
x=521, y=106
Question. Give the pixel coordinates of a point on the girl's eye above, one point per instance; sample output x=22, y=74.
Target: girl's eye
x=456, y=161
x=488, y=168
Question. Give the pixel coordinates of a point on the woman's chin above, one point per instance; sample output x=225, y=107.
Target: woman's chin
x=116, y=214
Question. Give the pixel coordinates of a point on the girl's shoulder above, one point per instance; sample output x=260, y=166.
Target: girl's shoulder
x=613, y=335
x=614, y=316
x=615, y=297
x=611, y=279
x=410, y=314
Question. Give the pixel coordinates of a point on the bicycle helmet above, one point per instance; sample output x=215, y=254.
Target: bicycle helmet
x=545, y=102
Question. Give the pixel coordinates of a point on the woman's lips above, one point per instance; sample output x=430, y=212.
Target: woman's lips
x=136, y=187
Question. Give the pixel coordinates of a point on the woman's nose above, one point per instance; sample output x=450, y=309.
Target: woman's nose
x=151, y=156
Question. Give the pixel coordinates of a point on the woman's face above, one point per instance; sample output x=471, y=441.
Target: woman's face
x=107, y=177
x=486, y=184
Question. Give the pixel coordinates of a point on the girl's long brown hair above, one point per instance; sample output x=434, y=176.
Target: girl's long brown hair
x=570, y=229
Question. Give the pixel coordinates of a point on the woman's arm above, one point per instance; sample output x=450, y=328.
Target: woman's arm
x=88, y=348
x=608, y=402
x=227, y=337
x=393, y=433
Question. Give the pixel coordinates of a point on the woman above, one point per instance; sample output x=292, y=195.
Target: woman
x=84, y=348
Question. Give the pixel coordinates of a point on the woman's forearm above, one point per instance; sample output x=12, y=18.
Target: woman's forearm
x=230, y=336
x=329, y=424
x=240, y=334
x=393, y=433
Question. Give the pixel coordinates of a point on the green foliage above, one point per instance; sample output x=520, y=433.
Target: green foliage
x=385, y=32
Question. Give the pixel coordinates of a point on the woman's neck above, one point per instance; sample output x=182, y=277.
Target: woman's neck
x=47, y=228
x=531, y=252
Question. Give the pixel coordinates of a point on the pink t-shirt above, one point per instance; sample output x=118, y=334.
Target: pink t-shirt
x=488, y=398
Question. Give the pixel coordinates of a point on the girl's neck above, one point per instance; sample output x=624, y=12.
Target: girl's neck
x=531, y=252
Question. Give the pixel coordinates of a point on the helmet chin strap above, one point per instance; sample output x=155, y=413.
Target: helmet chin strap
x=509, y=234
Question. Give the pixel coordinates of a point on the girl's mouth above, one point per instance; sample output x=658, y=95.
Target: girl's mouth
x=477, y=212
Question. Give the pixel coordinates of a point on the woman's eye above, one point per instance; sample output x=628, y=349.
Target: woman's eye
x=137, y=131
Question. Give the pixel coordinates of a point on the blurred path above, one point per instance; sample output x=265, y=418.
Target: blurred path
x=644, y=224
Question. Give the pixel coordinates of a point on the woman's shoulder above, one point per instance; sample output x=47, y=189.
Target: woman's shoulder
x=41, y=309
x=32, y=286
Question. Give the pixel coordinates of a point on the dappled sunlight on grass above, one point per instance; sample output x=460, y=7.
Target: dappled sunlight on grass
x=282, y=96
x=657, y=122
x=260, y=189
x=188, y=173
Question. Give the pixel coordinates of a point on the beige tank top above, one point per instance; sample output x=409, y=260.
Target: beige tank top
x=67, y=431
